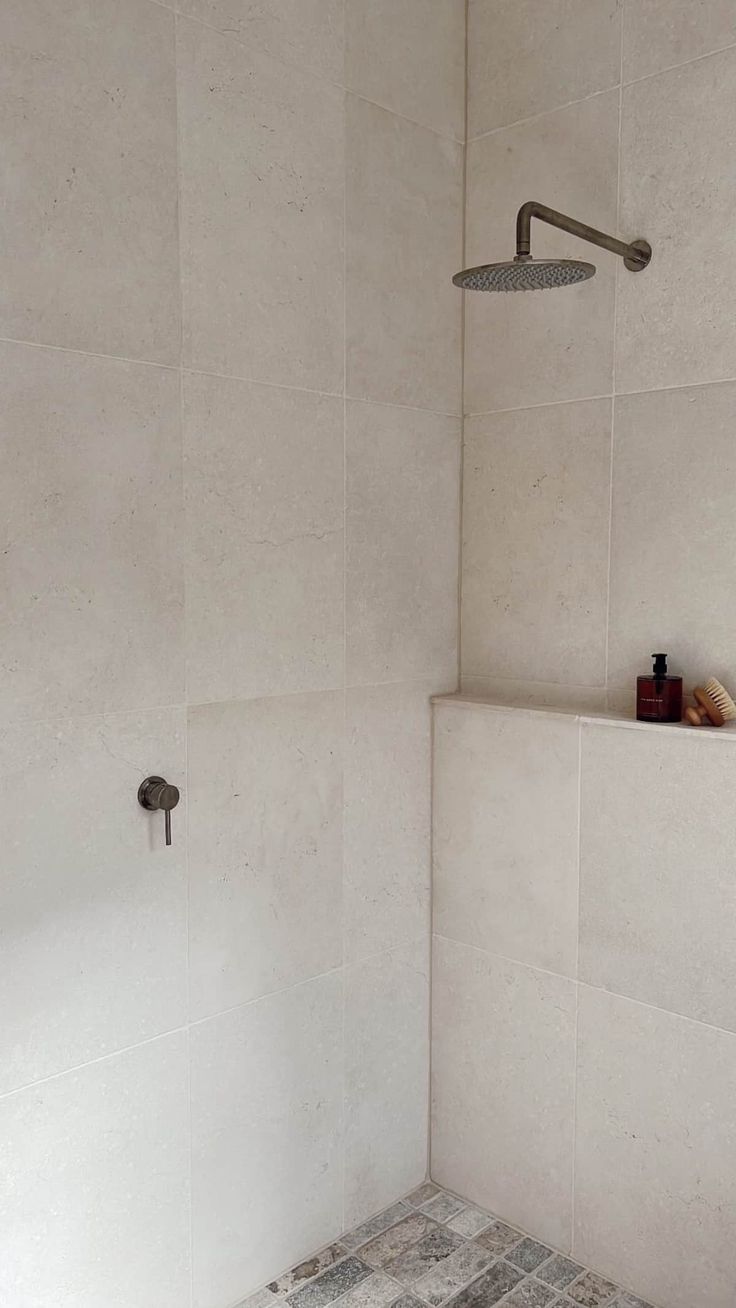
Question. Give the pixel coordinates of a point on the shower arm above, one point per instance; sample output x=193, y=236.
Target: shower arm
x=635, y=255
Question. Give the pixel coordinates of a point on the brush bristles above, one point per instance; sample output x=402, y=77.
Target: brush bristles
x=721, y=697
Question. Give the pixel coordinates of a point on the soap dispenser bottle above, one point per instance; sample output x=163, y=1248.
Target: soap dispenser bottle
x=658, y=695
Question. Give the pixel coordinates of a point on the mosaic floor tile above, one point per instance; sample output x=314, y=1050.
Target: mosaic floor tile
x=470, y=1222
x=375, y=1226
x=393, y=1242
x=442, y=1207
x=331, y=1284
x=499, y=1238
x=431, y=1249
x=307, y=1270
x=489, y=1287
x=559, y=1271
x=376, y=1291
x=628, y=1301
x=590, y=1290
x=422, y=1194
x=529, y=1254
x=453, y=1273
x=532, y=1294
x=408, y=1301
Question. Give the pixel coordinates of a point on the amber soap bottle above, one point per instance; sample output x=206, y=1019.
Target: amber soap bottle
x=658, y=695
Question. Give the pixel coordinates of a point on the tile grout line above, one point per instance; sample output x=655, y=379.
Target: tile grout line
x=577, y=993
x=344, y=1114
x=606, y=652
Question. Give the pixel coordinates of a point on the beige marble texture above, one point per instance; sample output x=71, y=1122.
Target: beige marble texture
x=94, y=1172
x=264, y=504
x=505, y=839
x=409, y=57
x=656, y=883
x=535, y=543
x=534, y=349
x=262, y=199
x=674, y=323
x=93, y=905
x=267, y=1086
x=528, y=56
x=90, y=570
x=386, y=1080
x=656, y=1152
x=404, y=227
x=402, y=525
x=660, y=440
x=661, y=33
x=503, y=1059
x=307, y=33
x=89, y=251
x=265, y=846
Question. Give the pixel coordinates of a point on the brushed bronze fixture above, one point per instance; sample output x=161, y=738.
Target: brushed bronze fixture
x=157, y=795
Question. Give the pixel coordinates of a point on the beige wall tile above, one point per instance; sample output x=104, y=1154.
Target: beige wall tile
x=404, y=230
x=534, y=694
x=264, y=495
x=94, y=1171
x=93, y=905
x=89, y=252
x=656, y=880
x=533, y=349
x=505, y=839
x=267, y=1083
x=661, y=33
x=665, y=442
x=403, y=470
x=503, y=1058
x=656, y=1152
x=387, y=816
x=674, y=322
x=409, y=57
x=90, y=499
x=386, y=1078
x=528, y=56
x=265, y=864
x=535, y=547
x=262, y=214
x=308, y=33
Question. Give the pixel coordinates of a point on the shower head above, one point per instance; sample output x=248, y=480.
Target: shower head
x=524, y=274
x=527, y=274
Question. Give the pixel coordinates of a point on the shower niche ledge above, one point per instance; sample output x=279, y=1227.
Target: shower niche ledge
x=466, y=701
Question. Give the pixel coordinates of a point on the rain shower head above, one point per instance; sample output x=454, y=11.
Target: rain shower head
x=527, y=274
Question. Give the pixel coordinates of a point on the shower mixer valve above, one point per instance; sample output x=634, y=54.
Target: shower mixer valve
x=155, y=794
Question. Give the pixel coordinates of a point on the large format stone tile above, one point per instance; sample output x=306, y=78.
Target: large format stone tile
x=535, y=543
x=656, y=1152
x=535, y=349
x=262, y=214
x=402, y=523
x=386, y=1081
x=387, y=817
x=93, y=906
x=503, y=1059
x=657, y=857
x=505, y=835
x=661, y=33
x=660, y=440
x=265, y=854
x=410, y=58
x=404, y=242
x=90, y=499
x=264, y=500
x=89, y=251
x=94, y=1184
x=674, y=321
x=308, y=33
x=528, y=56
x=266, y=1137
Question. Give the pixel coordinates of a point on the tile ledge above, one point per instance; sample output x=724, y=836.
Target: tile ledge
x=603, y=717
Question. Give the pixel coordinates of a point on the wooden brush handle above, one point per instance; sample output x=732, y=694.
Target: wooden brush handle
x=705, y=708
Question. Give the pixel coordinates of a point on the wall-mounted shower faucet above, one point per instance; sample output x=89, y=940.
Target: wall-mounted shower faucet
x=523, y=273
x=156, y=795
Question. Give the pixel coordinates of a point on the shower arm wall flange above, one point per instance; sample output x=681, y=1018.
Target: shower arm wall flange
x=635, y=254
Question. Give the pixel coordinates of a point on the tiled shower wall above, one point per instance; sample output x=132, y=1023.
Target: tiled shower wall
x=599, y=493
x=584, y=1022
x=230, y=439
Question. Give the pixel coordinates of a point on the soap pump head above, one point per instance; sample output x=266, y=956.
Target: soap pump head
x=660, y=665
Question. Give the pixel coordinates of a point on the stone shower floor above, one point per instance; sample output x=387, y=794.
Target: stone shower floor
x=434, y=1249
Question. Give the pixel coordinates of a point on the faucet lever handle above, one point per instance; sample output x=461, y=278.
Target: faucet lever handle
x=155, y=794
